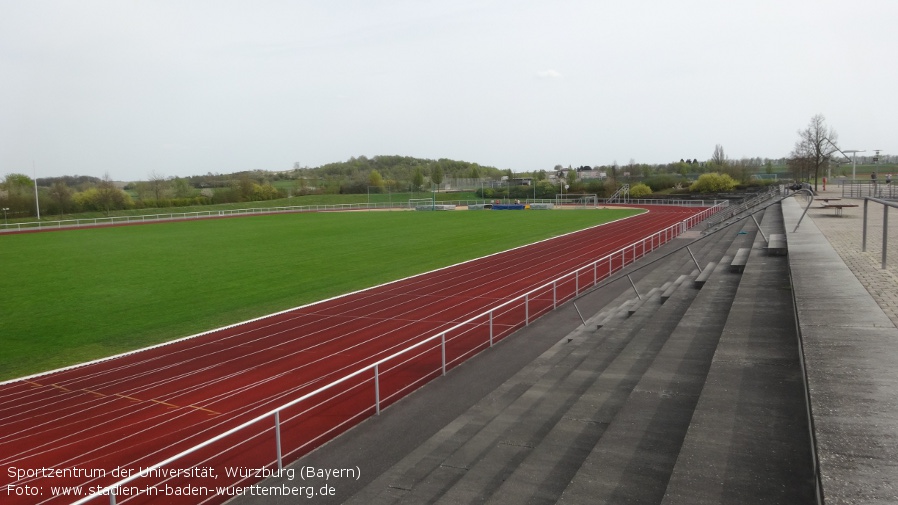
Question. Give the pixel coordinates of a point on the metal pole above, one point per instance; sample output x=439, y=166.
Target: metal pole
x=443, y=339
x=527, y=309
x=377, y=388
x=277, y=437
x=694, y=260
x=491, y=328
x=810, y=202
x=634, y=287
x=864, y=235
x=759, y=228
x=579, y=314
x=885, y=233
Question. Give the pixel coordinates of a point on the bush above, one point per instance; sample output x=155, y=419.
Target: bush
x=713, y=183
x=640, y=190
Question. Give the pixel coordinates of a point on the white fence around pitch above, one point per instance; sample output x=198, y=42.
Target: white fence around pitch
x=206, y=214
x=270, y=437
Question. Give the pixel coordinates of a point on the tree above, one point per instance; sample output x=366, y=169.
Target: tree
x=61, y=195
x=718, y=159
x=108, y=196
x=19, y=194
x=814, y=147
x=244, y=188
x=436, y=175
x=158, y=185
x=417, y=179
x=376, y=180
x=18, y=184
x=182, y=188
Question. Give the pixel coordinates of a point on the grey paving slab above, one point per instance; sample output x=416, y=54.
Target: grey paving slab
x=851, y=352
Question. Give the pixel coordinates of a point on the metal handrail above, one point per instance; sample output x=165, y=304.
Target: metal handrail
x=670, y=233
x=885, y=226
x=810, y=202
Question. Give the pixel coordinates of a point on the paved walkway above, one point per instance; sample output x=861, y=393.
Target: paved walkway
x=850, y=346
x=845, y=233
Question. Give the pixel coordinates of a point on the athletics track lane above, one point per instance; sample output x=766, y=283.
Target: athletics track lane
x=139, y=409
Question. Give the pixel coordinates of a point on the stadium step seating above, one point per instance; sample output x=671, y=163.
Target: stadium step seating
x=616, y=395
x=645, y=399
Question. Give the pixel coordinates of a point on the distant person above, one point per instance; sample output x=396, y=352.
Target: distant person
x=888, y=178
x=873, y=177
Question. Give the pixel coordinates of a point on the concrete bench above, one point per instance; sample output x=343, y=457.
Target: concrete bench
x=703, y=276
x=739, y=261
x=776, y=246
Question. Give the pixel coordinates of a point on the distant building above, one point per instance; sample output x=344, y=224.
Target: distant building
x=592, y=174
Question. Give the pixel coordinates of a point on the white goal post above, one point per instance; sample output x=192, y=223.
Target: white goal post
x=414, y=203
x=576, y=200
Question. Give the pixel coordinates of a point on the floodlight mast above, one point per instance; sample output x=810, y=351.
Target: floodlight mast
x=853, y=159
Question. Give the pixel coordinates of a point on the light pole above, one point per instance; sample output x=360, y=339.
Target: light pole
x=853, y=161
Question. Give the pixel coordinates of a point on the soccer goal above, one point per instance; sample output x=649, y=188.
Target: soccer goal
x=421, y=203
x=576, y=201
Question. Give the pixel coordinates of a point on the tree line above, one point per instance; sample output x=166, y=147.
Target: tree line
x=814, y=152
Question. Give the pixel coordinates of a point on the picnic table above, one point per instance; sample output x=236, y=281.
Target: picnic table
x=837, y=207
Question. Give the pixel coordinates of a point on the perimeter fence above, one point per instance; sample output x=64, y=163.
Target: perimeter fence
x=207, y=214
x=300, y=425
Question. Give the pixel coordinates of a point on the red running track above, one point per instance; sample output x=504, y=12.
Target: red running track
x=75, y=427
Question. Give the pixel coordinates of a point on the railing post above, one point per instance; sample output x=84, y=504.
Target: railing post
x=443, y=345
x=526, y=309
x=491, y=328
x=885, y=233
x=554, y=294
x=864, y=235
x=112, y=496
x=277, y=437
x=376, y=389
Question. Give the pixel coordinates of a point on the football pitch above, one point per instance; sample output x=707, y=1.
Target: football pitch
x=77, y=295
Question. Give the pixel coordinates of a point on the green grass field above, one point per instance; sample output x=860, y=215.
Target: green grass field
x=76, y=295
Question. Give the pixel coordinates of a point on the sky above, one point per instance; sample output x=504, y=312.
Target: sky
x=131, y=88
